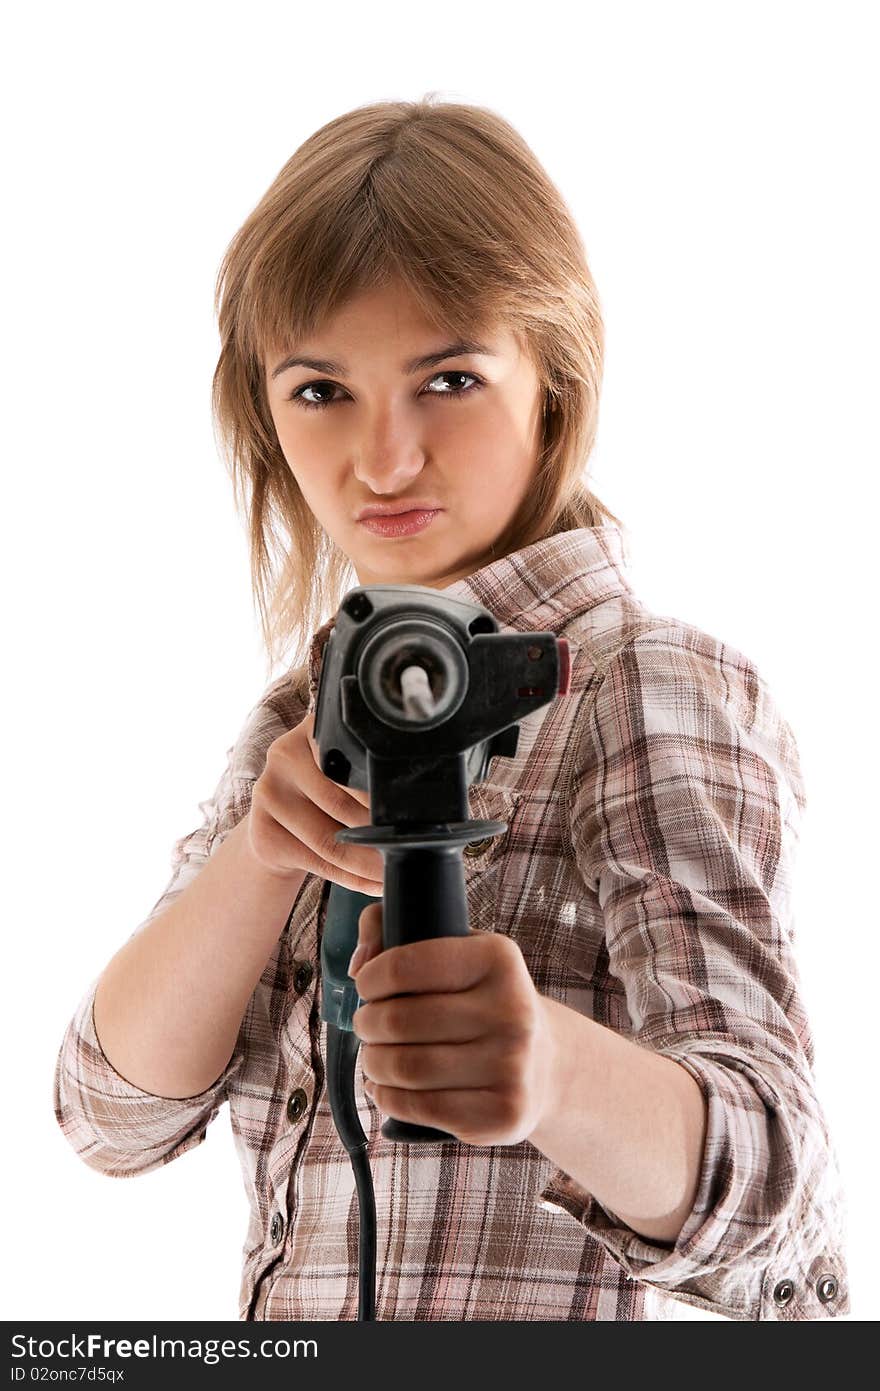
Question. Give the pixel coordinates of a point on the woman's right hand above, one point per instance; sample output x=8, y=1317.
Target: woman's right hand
x=296, y=811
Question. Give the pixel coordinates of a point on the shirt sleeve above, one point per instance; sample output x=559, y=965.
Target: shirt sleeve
x=685, y=804
x=115, y=1127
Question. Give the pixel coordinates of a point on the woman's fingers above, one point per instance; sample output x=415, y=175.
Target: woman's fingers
x=356, y=793
x=297, y=811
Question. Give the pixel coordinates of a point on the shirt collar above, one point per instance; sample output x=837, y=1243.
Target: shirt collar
x=530, y=589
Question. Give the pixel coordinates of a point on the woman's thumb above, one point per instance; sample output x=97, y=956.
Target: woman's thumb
x=369, y=937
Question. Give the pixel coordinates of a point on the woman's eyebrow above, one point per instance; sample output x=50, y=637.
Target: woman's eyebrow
x=416, y=364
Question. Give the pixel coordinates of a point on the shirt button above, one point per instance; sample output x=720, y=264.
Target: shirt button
x=277, y=1228
x=476, y=847
x=302, y=976
x=826, y=1288
x=296, y=1105
x=784, y=1293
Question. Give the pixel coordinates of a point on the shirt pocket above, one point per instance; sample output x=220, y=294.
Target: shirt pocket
x=484, y=858
x=532, y=892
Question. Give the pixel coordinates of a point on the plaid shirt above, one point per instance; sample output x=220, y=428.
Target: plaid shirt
x=652, y=822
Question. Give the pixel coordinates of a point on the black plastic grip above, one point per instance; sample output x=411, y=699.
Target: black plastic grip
x=424, y=897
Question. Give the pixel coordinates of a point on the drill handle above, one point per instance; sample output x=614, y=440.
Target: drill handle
x=424, y=897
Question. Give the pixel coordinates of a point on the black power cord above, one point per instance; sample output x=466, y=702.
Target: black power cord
x=342, y=1049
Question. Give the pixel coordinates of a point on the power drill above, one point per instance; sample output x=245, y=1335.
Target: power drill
x=417, y=693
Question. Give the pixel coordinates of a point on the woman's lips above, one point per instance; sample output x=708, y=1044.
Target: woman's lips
x=403, y=524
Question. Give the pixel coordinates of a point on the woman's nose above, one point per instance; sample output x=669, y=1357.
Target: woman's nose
x=387, y=458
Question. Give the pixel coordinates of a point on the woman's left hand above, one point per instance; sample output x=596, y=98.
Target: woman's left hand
x=453, y=1034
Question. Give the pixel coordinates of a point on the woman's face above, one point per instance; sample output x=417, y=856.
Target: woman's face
x=462, y=433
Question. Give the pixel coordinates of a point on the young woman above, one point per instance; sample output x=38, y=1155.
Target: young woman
x=409, y=325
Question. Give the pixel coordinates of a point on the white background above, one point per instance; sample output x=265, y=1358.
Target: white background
x=720, y=164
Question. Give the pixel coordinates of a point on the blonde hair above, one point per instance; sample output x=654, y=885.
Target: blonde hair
x=449, y=199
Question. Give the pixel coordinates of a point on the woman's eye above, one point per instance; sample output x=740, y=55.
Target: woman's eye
x=453, y=394
x=458, y=392
x=311, y=386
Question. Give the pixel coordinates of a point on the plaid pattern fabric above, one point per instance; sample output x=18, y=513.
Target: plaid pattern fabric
x=646, y=871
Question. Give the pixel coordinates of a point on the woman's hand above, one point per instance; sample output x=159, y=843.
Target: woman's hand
x=453, y=1034
x=296, y=811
